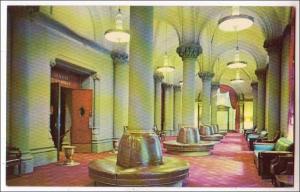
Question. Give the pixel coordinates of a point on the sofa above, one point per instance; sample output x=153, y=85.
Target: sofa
x=265, y=152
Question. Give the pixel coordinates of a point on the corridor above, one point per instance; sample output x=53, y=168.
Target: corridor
x=230, y=165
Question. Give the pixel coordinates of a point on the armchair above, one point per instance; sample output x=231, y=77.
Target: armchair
x=265, y=152
x=249, y=131
x=254, y=137
x=283, y=164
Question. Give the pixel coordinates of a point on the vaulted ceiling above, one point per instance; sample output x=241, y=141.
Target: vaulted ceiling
x=174, y=25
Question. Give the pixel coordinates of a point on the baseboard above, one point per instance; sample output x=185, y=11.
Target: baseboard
x=102, y=145
x=44, y=156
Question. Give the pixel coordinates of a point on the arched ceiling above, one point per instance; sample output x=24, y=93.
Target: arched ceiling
x=175, y=25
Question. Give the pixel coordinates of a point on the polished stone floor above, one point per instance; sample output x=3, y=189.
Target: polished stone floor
x=229, y=165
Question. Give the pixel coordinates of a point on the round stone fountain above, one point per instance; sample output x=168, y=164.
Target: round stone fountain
x=188, y=140
x=139, y=163
x=208, y=133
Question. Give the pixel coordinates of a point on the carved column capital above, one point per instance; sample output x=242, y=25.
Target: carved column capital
x=167, y=85
x=206, y=76
x=261, y=72
x=215, y=85
x=52, y=63
x=273, y=44
x=254, y=85
x=189, y=51
x=177, y=87
x=95, y=76
x=119, y=57
x=158, y=77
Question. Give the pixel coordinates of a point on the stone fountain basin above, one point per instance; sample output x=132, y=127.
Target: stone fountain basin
x=105, y=172
x=201, y=146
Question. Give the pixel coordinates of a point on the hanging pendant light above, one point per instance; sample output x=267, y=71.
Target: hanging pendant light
x=118, y=35
x=166, y=68
x=237, y=79
x=236, y=21
x=237, y=63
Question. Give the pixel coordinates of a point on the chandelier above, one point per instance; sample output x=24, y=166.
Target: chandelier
x=237, y=79
x=237, y=63
x=118, y=35
x=235, y=21
x=166, y=68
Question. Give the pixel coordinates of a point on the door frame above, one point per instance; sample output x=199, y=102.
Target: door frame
x=70, y=64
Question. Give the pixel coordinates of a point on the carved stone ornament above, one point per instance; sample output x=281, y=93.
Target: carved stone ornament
x=158, y=77
x=119, y=57
x=254, y=85
x=273, y=44
x=177, y=87
x=261, y=73
x=206, y=75
x=189, y=51
x=215, y=85
x=167, y=85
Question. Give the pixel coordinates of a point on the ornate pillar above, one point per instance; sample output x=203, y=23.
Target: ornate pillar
x=189, y=54
x=169, y=108
x=261, y=95
x=273, y=48
x=254, y=86
x=158, y=77
x=206, y=90
x=177, y=108
x=214, y=108
x=120, y=61
x=139, y=145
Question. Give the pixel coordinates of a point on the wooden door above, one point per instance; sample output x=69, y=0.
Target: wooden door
x=81, y=134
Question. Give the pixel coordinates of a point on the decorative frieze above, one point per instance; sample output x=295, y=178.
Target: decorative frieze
x=189, y=51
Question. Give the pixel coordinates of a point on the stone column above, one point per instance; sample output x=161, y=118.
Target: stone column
x=214, y=108
x=206, y=89
x=120, y=61
x=273, y=48
x=177, y=108
x=139, y=145
x=169, y=108
x=241, y=105
x=158, y=77
x=254, y=86
x=21, y=101
x=261, y=95
x=189, y=54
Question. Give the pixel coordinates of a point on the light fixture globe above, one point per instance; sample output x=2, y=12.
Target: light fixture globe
x=237, y=81
x=236, y=64
x=165, y=69
x=117, y=35
x=235, y=22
